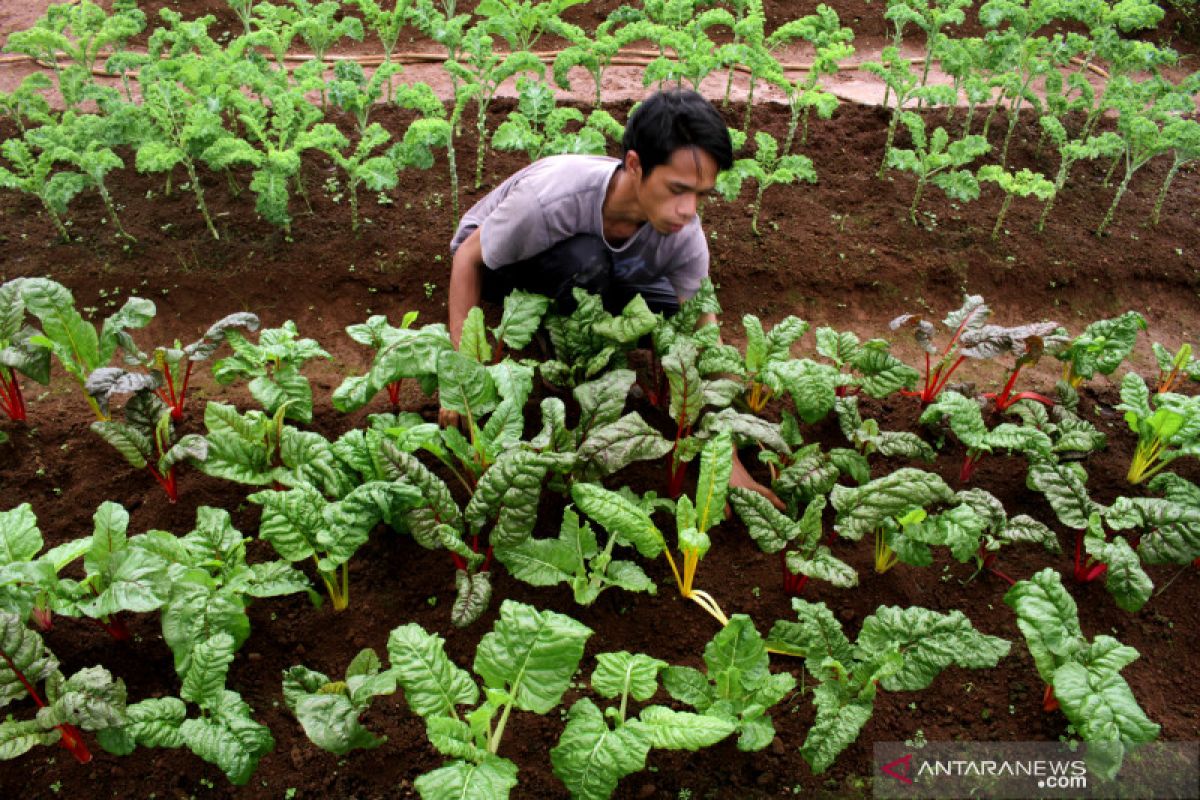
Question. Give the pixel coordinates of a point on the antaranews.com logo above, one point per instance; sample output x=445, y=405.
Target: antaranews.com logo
x=1019, y=770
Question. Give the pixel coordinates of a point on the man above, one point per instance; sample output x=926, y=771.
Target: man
x=615, y=227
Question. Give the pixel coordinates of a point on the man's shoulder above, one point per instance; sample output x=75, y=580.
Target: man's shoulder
x=556, y=177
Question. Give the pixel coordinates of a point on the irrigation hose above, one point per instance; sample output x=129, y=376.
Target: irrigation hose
x=624, y=58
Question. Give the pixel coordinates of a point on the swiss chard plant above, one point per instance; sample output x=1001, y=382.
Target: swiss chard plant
x=273, y=367
x=330, y=711
x=971, y=317
x=79, y=348
x=589, y=339
x=1167, y=428
x=1082, y=677
x=622, y=517
x=1173, y=368
x=1168, y=527
x=29, y=578
x=964, y=416
x=737, y=686
x=525, y=663
x=224, y=732
x=867, y=438
x=403, y=352
x=598, y=748
x=765, y=351
x=868, y=367
x=799, y=542
x=18, y=356
x=897, y=650
x=146, y=438
x=89, y=700
x=767, y=168
x=1101, y=348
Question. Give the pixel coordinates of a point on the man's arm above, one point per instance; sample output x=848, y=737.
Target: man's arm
x=466, y=283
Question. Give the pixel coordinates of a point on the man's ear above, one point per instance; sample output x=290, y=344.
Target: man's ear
x=633, y=164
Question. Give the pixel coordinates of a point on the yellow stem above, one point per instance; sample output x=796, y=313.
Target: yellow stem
x=706, y=601
x=678, y=580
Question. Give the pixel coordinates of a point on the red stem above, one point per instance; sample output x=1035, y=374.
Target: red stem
x=793, y=585
x=71, y=739
x=1049, y=701
x=177, y=411
x=393, y=390
x=116, y=628
x=968, y=466
x=1085, y=573
x=11, y=402
x=167, y=482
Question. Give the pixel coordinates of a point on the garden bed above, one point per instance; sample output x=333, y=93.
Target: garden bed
x=841, y=253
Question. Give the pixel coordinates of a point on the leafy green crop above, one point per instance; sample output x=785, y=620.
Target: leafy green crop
x=898, y=650
x=273, y=367
x=17, y=353
x=1082, y=678
x=935, y=159
x=1101, y=347
x=766, y=169
x=330, y=710
x=1166, y=431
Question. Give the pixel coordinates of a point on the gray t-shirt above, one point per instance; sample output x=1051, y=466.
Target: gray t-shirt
x=561, y=196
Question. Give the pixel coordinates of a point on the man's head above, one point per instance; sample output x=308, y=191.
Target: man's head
x=674, y=145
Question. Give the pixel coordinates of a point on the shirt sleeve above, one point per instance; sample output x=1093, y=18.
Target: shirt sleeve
x=516, y=229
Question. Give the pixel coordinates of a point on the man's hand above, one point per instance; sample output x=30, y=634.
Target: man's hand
x=741, y=479
x=448, y=418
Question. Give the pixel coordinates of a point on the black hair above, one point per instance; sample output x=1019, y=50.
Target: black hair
x=669, y=120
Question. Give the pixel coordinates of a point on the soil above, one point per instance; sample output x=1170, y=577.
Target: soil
x=840, y=252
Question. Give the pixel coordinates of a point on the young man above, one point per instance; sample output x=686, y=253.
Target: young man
x=616, y=227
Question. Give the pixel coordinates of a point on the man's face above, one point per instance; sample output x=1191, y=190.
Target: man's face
x=671, y=194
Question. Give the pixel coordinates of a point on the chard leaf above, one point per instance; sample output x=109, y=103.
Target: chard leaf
x=683, y=730
x=1049, y=619
x=590, y=758
x=716, y=466
x=929, y=642
x=18, y=737
x=438, y=508
x=841, y=715
x=155, y=722
x=133, y=445
x=602, y=400
x=683, y=377
x=432, y=684
x=90, y=699
x=196, y=611
x=622, y=673
x=629, y=576
x=532, y=655
x=24, y=657
x=453, y=737
x=816, y=637
x=20, y=538
x=813, y=387
x=1125, y=579
x=689, y=686
x=490, y=779
x=1172, y=525
x=737, y=654
x=862, y=509
x=746, y=429
x=464, y=385
x=541, y=562
x=619, y=517
x=232, y=741
x=508, y=492
x=292, y=521
x=331, y=722
x=613, y=446
x=767, y=526
x=635, y=321
x=523, y=314
x=1065, y=488
x=474, y=595
x=204, y=681
x=823, y=566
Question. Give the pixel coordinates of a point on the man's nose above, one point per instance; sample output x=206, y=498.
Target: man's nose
x=687, y=205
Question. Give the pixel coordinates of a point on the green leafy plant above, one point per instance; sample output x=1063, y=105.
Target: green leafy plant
x=1102, y=347
x=330, y=710
x=1023, y=183
x=737, y=686
x=897, y=650
x=965, y=418
x=799, y=542
x=594, y=753
x=90, y=699
x=970, y=318
x=17, y=354
x=1082, y=678
x=896, y=72
x=1182, y=136
x=387, y=24
x=33, y=172
x=624, y=518
x=594, y=53
x=273, y=367
x=766, y=169
x=526, y=663
x=1166, y=431
x=146, y=438
x=29, y=582
x=26, y=103
x=589, y=339
x=1172, y=367
x=935, y=159
x=867, y=438
x=866, y=366
x=74, y=341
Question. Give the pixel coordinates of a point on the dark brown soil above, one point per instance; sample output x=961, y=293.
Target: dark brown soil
x=841, y=252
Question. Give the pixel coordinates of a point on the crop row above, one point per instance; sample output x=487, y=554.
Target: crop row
x=475, y=492
x=238, y=106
